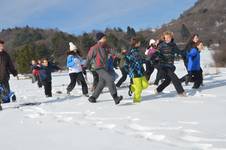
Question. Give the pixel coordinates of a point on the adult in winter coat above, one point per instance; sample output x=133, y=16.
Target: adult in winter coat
x=134, y=62
x=97, y=58
x=193, y=64
x=168, y=49
x=74, y=64
x=6, y=68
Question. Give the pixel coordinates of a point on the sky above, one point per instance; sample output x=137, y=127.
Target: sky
x=79, y=16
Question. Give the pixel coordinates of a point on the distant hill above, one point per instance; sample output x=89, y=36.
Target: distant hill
x=207, y=18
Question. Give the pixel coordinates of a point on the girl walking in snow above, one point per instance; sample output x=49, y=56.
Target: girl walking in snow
x=193, y=65
x=74, y=64
x=150, y=51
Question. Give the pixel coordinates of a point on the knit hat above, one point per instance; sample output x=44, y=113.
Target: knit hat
x=99, y=36
x=72, y=47
x=152, y=41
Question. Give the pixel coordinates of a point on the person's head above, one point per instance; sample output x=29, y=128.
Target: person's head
x=45, y=62
x=199, y=45
x=72, y=47
x=123, y=51
x=33, y=62
x=152, y=43
x=167, y=36
x=195, y=38
x=1, y=45
x=101, y=38
x=135, y=43
x=39, y=61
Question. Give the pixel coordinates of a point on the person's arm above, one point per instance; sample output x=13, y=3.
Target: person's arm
x=177, y=50
x=70, y=61
x=193, y=52
x=89, y=58
x=11, y=67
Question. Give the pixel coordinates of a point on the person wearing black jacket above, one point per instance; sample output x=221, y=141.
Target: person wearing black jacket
x=6, y=68
x=45, y=74
x=167, y=50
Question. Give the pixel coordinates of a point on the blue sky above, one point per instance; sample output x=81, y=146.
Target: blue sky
x=78, y=16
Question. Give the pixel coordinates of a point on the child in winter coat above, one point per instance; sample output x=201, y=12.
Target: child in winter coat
x=45, y=75
x=74, y=64
x=193, y=64
x=134, y=62
x=35, y=72
x=150, y=51
x=167, y=50
x=122, y=66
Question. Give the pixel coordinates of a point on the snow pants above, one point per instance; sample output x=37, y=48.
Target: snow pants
x=138, y=85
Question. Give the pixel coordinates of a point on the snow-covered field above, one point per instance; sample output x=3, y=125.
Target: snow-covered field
x=162, y=122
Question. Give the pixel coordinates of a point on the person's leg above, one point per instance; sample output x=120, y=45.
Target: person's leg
x=144, y=83
x=100, y=86
x=164, y=84
x=95, y=80
x=175, y=80
x=73, y=78
x=83, y=83
x=197, y=79
x=39, y=83
x=109, y=82
x=137, y=89
x=50, y=89
x=149, y=70
x=123, y=78
x=159, y=76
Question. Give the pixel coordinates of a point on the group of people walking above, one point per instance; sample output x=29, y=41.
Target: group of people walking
x=101, y=61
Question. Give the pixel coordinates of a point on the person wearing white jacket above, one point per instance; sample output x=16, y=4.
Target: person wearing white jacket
x=74, y=65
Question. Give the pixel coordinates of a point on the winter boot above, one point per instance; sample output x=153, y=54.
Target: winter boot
x=92, y=99
x=86, y=95
x=14, y=98
x=117, y=99
x=130, y=92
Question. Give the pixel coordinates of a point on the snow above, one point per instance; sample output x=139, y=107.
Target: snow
x=159, y=122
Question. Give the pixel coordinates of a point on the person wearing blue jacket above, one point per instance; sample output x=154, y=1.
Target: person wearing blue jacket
x=193, y=65
x=74, y=64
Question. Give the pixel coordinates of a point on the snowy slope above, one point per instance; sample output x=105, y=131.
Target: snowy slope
x=162, y=122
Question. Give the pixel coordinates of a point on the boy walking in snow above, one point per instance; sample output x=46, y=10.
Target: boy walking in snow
x=45, y=74
x=134, y=62
x=97, y=57
x=168, y=49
